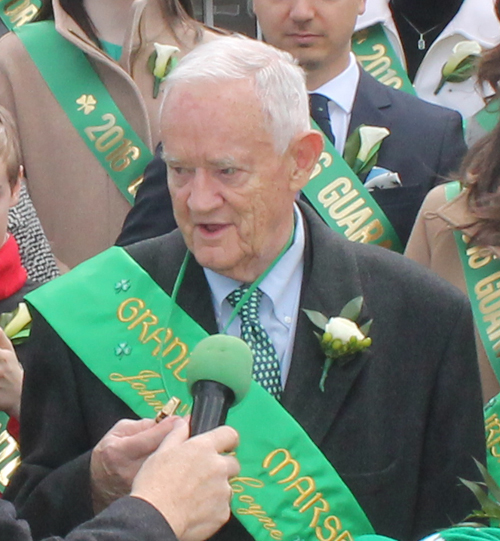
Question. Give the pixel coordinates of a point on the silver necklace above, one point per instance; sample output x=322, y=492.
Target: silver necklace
x=422, y=45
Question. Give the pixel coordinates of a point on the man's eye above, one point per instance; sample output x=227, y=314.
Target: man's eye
x=228, y=171
x=181, y=171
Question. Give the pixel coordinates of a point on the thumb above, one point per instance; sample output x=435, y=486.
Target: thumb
x=5, y=343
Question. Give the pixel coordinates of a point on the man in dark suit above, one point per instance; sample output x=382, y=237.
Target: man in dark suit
x=157, y=510
x=400, y=422
x=425, y=144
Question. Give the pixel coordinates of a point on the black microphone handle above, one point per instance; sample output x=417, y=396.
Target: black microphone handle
x=212, y=401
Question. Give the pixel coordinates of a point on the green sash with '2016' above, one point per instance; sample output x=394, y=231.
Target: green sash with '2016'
x=16, y=13
x=377, y=56
x=482, y=277
x=287, y=489
x=88, y=105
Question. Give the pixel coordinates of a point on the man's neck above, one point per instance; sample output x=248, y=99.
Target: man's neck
x=318, y=76
x=425, y=14
x=110, y=18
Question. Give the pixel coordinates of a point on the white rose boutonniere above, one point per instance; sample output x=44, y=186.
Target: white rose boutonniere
x=342, y=338
x=161, y=62
x=461, y=65
x=362, y=146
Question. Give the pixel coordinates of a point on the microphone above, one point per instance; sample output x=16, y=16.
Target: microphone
x=218, y=375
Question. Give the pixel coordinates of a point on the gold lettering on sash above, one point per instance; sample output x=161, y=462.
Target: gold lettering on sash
x=478, y=256
x=155, y=335
x=254, y=509
x=110, y=137
x=356, y=217
x=138, y=383
x=379, y=65
x=306, y=487
x=20, y=12
x=134, y=312
x=305, y=492
x=179, y=359
x=492, y=425
x=287, y=461
x=9, y=447
x=133, y=309
x=7, y=471
x=487, y=292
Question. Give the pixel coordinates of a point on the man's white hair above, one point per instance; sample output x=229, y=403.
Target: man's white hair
x=278, y=80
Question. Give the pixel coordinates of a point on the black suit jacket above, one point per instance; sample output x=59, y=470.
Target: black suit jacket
x=425, y=147
x=400, y=422
x=128, y=519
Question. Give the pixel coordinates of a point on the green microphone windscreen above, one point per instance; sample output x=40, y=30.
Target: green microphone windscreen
x=222, y=358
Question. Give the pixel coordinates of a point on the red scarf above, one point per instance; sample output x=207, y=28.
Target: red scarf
x=13, y=275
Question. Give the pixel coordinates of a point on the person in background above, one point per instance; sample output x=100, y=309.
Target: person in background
x=475, y=212
x=424, y=142
x=424, y=34
x=73, y=173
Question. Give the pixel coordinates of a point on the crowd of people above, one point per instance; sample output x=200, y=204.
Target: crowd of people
x=162, y=181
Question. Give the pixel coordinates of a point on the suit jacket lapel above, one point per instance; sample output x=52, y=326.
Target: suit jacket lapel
x=330, y=281
x=370, y=104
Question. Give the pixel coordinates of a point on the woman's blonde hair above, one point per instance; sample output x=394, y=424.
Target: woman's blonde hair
x=10, y=150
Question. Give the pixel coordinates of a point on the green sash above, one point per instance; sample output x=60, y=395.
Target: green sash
x=287, y=489
x=88, y=104
x=488, y=117
x=377, y=56
x=15, y=13
x=9, y=453
x=482, y=276
x=344, y=203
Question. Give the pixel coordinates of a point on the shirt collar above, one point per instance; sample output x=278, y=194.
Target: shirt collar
x=342, y=88
x=275, y=284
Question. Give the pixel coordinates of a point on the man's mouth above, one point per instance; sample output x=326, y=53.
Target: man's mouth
x=304, y=37
x=212, y=228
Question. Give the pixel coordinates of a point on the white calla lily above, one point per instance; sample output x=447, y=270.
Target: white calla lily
x=343, y=329
x=370, y=136
x=163, y=55
x=20, y=320
x=460, y=52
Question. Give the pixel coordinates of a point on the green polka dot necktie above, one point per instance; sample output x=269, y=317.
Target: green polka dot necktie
x=266, y=367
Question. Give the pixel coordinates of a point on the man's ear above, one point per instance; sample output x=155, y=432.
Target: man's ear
x=16, y=189
x=306, y=149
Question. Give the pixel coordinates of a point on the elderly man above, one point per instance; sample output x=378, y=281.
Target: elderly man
x=424, y=146
x=380, y=436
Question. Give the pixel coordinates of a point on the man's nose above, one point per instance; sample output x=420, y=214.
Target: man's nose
x=204, y=194
x=302, y=10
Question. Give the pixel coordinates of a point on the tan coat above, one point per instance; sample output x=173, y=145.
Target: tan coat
x=79, y=206
x=432, y=244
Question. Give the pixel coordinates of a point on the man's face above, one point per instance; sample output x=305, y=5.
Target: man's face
x=316, y=32
x=232, y=192
x=8, y=197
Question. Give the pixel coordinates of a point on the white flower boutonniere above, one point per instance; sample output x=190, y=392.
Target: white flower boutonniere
x=161, y=62
x=342, y=338
x=461, y=65
x=362, y=146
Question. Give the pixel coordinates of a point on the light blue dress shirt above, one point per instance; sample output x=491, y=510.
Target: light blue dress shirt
x=279, y=305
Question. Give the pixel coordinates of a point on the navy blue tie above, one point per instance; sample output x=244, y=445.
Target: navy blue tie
x=319, y=111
